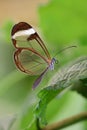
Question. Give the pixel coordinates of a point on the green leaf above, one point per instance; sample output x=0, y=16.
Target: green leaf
x=72, y=73
x=66, y=77
x=45, y=96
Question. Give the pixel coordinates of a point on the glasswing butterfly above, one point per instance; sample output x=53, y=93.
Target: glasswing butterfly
x=31, y=55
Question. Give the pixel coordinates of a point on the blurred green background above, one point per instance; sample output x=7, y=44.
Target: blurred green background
x=60, y=24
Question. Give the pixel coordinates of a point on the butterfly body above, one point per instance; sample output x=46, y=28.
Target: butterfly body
x=51, y=66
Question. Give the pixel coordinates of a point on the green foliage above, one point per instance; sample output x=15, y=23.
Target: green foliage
x=69, y=76
x=6, y=31
x=45, y=96
x=63, y=23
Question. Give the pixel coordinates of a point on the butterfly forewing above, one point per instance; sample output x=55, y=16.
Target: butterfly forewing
x=31, y=44
x=23, y=35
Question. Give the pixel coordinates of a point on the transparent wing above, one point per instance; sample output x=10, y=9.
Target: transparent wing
x=23, y=33
x=29, y=61
x=32, y=56
x=35, y=44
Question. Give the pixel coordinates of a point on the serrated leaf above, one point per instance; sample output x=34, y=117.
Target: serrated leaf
x=45, y=96
x=71, y=73
x=74, y=75
x=68, y=76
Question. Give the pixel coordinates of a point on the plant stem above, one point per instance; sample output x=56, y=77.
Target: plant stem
x=67, y=122
x=37, y=124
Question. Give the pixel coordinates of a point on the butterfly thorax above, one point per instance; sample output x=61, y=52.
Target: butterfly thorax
x=51, y=66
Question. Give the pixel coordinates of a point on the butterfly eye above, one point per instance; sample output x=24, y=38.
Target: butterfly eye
x=56, y=61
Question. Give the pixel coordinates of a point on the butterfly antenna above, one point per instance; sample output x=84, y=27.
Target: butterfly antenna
x=63, y=50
